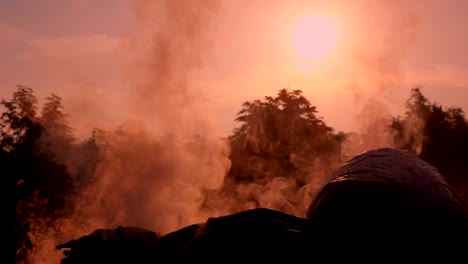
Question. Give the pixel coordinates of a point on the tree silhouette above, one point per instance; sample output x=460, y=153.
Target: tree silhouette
x=19, y=130
x=446, y=142
x=35, y=187
x=439, y=136
x=19, y=121
x=408, y=130
x=57, y=138
x=281, y=137
x=53, y=119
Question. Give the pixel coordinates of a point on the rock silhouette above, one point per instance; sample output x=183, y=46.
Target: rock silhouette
x=381, y=205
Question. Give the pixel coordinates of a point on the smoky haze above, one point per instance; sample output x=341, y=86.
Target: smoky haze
x=156, y=168
x=376, y=84
x=155, y=164
x=152, y=168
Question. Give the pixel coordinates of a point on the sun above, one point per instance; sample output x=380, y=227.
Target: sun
x=314, y=38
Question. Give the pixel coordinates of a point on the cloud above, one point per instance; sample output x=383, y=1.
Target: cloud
x=9, y=33
x=71, y=46
x=12, y=41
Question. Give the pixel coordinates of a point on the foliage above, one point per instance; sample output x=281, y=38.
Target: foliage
x=409, y=129
x=18, y=122
x=281, y=137
x=439, y=136
x=446, y=142
x=43, y=167
x=36, y=187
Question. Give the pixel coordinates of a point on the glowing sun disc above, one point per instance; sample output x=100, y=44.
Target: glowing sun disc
x=314, y=37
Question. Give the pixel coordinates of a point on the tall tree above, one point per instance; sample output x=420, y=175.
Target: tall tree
x=34, y=189
x=408, y=130
x=281, y=137
x=57, y=138
x=19, y=121
x=445, y=143
x=439, y=135
x=54, y=119
x=19, y=131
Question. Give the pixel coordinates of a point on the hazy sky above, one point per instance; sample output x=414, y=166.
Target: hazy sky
x=95, y=53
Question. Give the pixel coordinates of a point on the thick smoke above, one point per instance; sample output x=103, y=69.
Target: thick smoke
x=164, y=94
x=378, y=82
x=150, y=172
x=165, y=167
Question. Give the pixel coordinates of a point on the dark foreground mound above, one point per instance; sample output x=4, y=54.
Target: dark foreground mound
x=383, y=203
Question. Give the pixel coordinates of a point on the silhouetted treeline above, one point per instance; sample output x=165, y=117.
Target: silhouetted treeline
x=282, y=136
x=281, y=139
x=280, y=146
x=37, y=186
x=439, y=135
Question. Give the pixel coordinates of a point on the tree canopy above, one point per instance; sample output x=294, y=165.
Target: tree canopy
x=281, y=136
x=36, y=186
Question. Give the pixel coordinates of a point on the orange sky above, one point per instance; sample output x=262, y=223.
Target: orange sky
x=102, y=56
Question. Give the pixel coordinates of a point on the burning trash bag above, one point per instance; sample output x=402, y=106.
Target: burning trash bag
x=384, y=202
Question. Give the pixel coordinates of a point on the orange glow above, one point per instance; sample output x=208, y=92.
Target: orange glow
x=314, y=38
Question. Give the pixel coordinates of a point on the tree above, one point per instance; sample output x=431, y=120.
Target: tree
x=445, y=143
x=19, y=121
x=439, y=136
x=281, y=137
x=35, y=190
x=53, y=119
x=408, y=130
x=19, y=130
x=57, y=137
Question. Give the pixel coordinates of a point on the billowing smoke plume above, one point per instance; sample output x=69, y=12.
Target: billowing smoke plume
x=155, y=165
x=177, y=46
x=380, y=77
x=165, y=167
x=150, y=172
